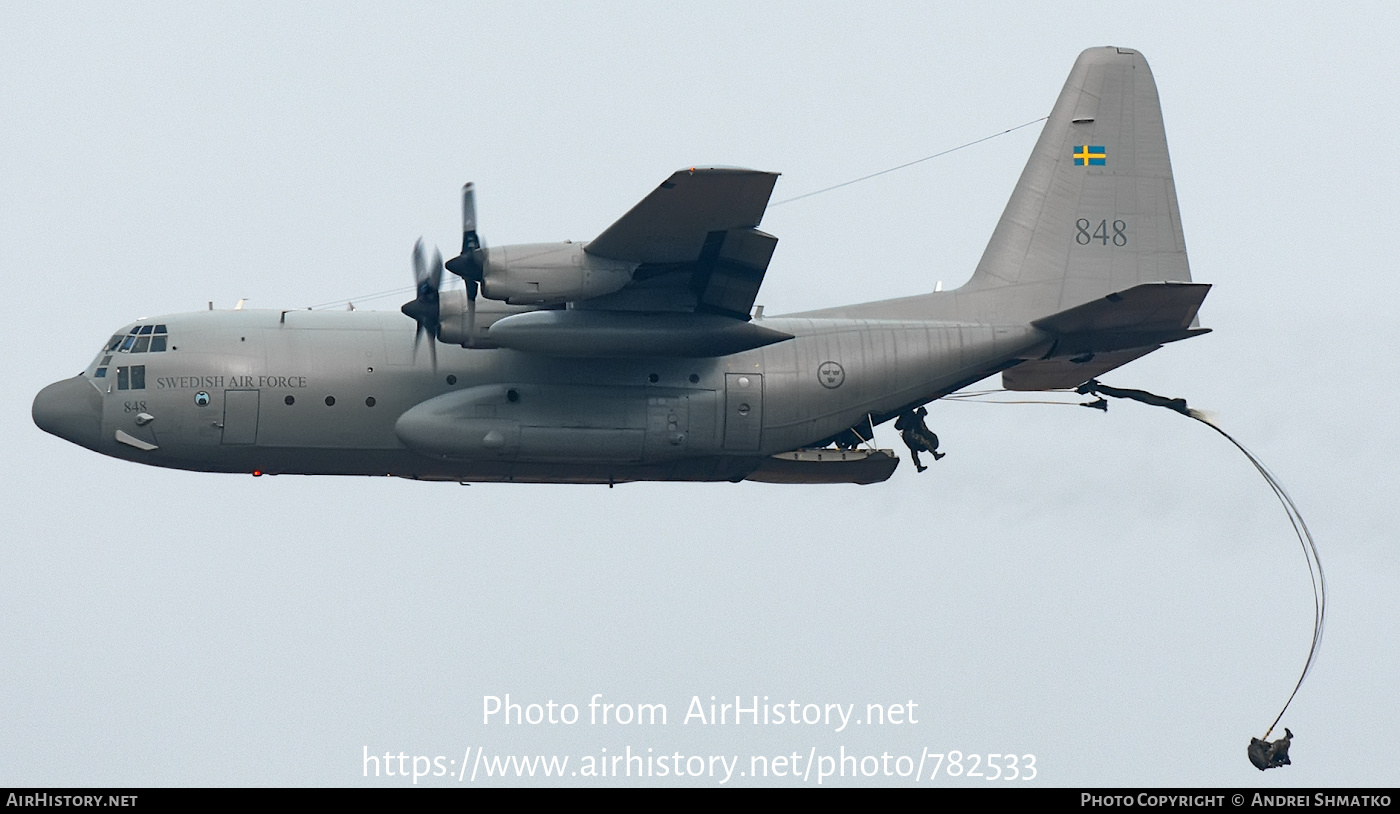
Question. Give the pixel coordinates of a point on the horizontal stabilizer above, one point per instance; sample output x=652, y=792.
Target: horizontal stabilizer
x=1100, y=335
x=1146, y=307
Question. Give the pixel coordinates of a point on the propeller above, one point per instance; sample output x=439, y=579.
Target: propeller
x=470, y=265
x=424, y=308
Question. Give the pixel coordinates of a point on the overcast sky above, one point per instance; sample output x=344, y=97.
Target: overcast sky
x=1118, y=595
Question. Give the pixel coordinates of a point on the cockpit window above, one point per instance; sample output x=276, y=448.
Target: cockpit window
x=137, y=339
x=141, y=339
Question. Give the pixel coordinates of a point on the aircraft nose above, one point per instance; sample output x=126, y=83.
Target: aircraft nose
x=70, y=409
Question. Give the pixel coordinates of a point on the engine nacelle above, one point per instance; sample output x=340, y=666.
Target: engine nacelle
x=550, y=273
x=468, y=325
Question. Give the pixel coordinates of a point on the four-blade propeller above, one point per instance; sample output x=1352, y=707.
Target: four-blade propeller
x=470, y=265
x=424, y=308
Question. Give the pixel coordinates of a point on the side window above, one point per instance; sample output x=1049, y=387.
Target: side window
x=131, y=378
x=101, y=371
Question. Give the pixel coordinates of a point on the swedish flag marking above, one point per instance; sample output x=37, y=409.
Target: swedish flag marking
x=1091, y=155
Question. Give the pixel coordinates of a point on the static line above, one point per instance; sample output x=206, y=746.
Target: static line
x=399, y=291
x=403, y=290
x=980, y=397
x=909, y=164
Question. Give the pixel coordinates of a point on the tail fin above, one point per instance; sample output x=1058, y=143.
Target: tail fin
x=1095, y=210
x=1093, y=215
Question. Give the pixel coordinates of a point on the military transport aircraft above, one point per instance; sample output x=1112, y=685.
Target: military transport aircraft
x=635, y=356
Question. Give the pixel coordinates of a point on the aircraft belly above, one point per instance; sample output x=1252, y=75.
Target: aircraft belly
x=413, y=465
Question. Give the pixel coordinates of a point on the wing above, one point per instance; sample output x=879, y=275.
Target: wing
x=697, y=260
x=696, y=241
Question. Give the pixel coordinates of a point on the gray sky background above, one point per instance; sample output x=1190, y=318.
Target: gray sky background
x=1118, y=595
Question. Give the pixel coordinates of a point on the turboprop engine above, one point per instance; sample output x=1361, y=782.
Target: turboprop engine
x=529, y=275
x=550, y=274
x=676, y=276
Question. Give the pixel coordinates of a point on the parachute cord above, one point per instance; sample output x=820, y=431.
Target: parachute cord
x=1295, y=518
x=1305, y=539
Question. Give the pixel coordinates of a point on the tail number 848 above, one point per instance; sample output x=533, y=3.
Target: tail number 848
x=1106, y=233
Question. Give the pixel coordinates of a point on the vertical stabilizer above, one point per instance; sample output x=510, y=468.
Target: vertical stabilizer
x=1095, y=210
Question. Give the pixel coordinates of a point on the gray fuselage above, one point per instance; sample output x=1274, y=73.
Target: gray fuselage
x=344, y=392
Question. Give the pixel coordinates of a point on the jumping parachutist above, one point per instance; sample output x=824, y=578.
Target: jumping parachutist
x=917, y=436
